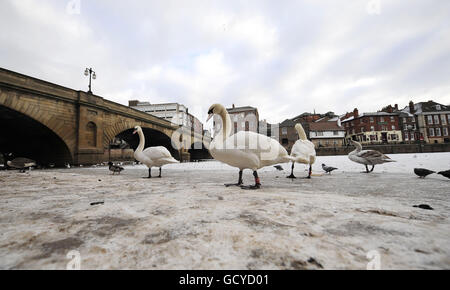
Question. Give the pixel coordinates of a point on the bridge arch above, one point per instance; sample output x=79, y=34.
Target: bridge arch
x=25, y=136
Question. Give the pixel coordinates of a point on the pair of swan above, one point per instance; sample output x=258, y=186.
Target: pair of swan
x=245, y=149
x=303, y=151
x=152, y=156
x=367, y=157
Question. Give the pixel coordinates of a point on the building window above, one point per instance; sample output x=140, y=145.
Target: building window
x=361, y=121
x=443, y=120
x=393, y=137
x=404, y=120
x=445, y=131
x=412, y=136
x=430, y=119
x=381, y=119
x=284, y=131
x=371, y=119
x=393, y=128
x=431, y=132
x=284, y=141
x=372, y=128
x=406, y=136
x=319, y=133
x=392, y=119
x=362, y=129
x=438, y=131
x=413, y=119
x=335, y=133
x=247, y=126
x=436, y=119
x=438, y=107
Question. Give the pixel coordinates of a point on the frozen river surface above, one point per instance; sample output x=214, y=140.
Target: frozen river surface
x=189, y=220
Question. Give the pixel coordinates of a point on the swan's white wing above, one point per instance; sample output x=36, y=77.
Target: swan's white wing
x=157, y=152
x=249, y=150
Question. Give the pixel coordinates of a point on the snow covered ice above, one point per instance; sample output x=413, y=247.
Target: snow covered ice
x=189, y=220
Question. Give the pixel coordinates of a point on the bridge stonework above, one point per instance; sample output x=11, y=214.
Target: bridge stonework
x=86, y=123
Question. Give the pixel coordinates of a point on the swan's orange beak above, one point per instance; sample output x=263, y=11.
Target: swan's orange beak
x=134, y=132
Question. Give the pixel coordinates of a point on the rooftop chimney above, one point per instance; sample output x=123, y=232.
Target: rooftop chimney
x=233, y=106
x=133, y=103
x=396, y=107
x=355, y=113
x=411, y=107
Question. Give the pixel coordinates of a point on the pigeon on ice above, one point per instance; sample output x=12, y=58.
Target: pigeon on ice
x=445, y=173
x=328, y=169
x=115, y=168
x=422, y=172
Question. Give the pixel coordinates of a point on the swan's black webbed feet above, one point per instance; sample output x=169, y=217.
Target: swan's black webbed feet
x=256, y=186
x=292, y=176
x=232, y=184
x=257, y=183
x=239, y=183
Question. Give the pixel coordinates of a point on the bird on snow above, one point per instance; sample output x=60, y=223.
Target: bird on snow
x=115, y=168
x=156, y=156
x=328, y=169
x=422, y=172
x=260, y=152
x=21, y=163
x=303, y=151
x=445, y=173
x=367, y=157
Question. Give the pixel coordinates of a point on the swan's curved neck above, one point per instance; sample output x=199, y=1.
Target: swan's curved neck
x=141, y=142
x=358, y=147
x=301, y=133
x=226, y=125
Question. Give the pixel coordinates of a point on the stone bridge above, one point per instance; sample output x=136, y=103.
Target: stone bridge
x=54, y=124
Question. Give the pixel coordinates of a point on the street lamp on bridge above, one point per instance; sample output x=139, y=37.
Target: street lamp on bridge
x=89, y=72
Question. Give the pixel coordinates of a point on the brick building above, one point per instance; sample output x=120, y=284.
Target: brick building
x=373, y=128
x=288, y=134
x=427, y=121
x=244, y=119
x=327, y=132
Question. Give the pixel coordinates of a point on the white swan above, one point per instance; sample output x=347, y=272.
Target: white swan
x=303, y=151
x=152, y=156
x=244, y=150
x=367, y=157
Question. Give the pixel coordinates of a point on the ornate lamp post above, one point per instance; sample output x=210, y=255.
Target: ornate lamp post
x=89, y=72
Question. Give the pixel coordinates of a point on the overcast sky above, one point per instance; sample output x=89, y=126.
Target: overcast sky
x=283, y=57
